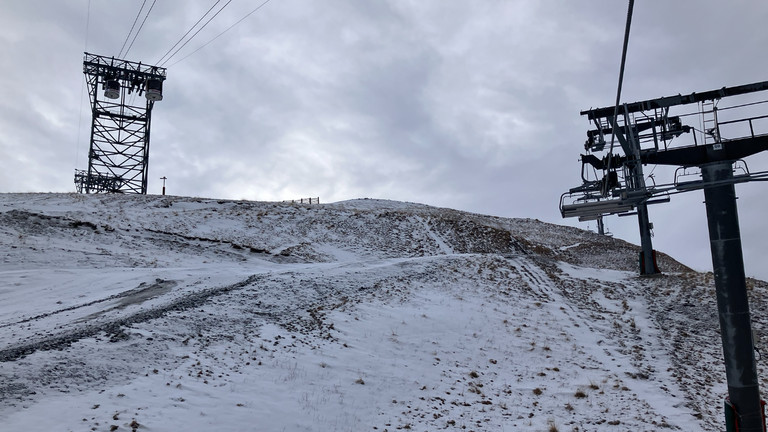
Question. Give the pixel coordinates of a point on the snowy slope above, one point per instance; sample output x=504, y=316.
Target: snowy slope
x=172, y=313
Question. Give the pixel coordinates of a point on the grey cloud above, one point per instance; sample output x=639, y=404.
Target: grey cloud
x=471, y=105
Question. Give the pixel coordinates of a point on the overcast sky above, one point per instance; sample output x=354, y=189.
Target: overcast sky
x=471, y=105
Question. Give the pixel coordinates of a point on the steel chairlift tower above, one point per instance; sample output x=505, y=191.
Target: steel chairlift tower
x=118, y=157
x=645, y=131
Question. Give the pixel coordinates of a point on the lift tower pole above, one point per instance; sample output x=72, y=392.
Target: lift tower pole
x=732, y=302
x=636, y=184
x=118, y=158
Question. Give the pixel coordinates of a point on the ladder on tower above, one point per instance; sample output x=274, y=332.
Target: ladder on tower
x=709, y=122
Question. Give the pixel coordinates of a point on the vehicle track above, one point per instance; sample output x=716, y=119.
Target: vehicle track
x=140, y=292
x=114, y=327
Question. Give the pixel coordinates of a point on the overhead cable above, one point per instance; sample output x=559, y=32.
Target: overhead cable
x=87, y=25
x=621, y=81
x=228, y=29
x=82, y=86
x=188, y=31
x=131, y=31
x=140, y=27
x=195, y=34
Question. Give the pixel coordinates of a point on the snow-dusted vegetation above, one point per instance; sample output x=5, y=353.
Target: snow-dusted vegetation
x=172, y=313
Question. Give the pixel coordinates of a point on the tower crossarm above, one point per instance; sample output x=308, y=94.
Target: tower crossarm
x=121, y=69
x=669, y=101
x=690, y=156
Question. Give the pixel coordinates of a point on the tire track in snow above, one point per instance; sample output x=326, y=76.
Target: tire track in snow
x=113, y=327
x=140, y=291
x=537, y=280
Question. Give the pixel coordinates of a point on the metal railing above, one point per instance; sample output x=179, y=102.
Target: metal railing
x=304, y=201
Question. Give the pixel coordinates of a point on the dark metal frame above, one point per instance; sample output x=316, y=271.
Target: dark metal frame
x=646, y=138
x=118, y=157
x=716, y=157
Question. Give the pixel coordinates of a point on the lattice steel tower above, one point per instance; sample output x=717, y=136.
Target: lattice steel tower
x=118, y=158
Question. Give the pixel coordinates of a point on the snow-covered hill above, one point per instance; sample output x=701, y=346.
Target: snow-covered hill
x=172, y=313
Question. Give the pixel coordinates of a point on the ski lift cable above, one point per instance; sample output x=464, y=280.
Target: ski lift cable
x=195, y=34
x=698, y=113
x=82, y=86
x=220, y=34
x=621, y=79
x=652, y=170
x=742, y=105
x=140, y=27
x=188, y=31
x=87, y=24
x=132, y=27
